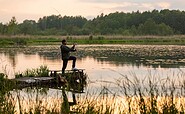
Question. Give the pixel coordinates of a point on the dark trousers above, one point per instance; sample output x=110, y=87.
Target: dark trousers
x=65, y=61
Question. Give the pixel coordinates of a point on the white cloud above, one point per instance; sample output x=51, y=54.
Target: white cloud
x=164, y=5
x=148, y=6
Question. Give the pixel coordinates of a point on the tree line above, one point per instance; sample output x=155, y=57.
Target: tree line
x=163, y=22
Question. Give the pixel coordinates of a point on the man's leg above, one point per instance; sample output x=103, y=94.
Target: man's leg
x=65, y=61
x=74, y=61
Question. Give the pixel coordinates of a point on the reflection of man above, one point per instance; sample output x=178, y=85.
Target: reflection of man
x=65, y=51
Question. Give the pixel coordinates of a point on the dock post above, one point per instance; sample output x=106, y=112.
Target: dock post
x=55, y=73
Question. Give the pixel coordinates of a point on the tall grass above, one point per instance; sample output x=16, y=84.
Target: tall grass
x=154, y=95
x=150, y=95
x=7, y=105
x=42, y=71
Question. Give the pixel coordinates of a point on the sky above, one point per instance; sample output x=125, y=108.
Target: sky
x=35, y=9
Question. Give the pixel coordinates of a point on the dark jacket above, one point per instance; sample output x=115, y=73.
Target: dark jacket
x=65, y=51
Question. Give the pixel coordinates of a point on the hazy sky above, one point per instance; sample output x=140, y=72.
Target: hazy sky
x=34, y=9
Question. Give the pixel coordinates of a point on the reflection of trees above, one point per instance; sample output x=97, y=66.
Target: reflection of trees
x=51, y=55
x=146, y=55
x=12, y=59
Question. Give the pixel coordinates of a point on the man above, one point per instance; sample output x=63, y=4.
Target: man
x=65, y=51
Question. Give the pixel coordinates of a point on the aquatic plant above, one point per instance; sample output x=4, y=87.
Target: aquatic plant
x=151, y=94
x=7, y=106
x=77, y=81
x=42, y=71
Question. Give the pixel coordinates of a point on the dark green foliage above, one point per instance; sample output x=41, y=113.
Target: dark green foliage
x=28, y=27
x=5, y=84
x=164, y=22
x=12, y=28
x=19, y=41
x=2, y=83
x=3, y=29
x=52, y=25
x=151, y=28
x=13, y=41
x=6, y=105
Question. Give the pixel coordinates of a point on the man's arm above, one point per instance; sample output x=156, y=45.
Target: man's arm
x=73, y=47
x=67, y=49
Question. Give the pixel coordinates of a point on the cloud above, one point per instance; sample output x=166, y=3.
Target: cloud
x=164, y=5
x=131, y=6
x=33, y=9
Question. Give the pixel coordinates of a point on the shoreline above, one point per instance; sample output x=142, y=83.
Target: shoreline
x=96, y=39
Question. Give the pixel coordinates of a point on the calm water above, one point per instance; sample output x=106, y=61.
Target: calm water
x=101, y=62
x=104, y=64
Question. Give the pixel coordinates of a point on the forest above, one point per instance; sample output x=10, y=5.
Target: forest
x=164, y=22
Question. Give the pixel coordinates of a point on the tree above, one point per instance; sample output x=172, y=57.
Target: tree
x=12, y=26
x=42, y=23
x=148, y=28
x=164, y=29
x=57, y=24
x=151, y=28
x=164, y=22
x=28, y=27
x=1, y=28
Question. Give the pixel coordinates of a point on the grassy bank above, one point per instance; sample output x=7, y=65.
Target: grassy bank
x=98, y=39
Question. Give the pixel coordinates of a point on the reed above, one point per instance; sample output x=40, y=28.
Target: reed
x=42, y=71
x=7, y=105
x=150, y=95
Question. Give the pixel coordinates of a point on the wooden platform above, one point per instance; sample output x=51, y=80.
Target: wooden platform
x=75, y=80
x=53, y=73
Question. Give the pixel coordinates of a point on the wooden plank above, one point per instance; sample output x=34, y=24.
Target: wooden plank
x=54, y=73
x=33, y=79
x=51, y=82
x=76, y=80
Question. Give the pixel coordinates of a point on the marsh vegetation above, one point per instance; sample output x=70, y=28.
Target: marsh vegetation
x=29, y=40
x=135, y=93
x=152, y=94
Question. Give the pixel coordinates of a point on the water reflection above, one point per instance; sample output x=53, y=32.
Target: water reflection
x=113, y=70
x=43, y=100
x=31, y=94
x=100, y=61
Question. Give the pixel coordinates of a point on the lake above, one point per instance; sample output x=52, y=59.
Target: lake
x=102, y=63
x=111, y=69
